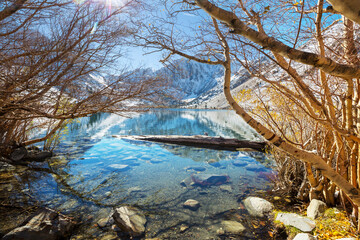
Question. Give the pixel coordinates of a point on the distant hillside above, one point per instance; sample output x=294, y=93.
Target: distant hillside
x=241, y=80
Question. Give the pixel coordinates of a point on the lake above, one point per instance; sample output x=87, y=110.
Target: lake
x=93, y=172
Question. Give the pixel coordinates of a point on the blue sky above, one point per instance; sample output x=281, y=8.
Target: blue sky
x=141, y=57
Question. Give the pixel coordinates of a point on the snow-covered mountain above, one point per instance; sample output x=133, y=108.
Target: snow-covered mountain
x=194, y=84
x=190, y=82
x=191, y=79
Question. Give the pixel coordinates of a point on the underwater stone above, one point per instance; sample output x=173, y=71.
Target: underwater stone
x=119, y=166
x=130, y=220
x=198, y=169
x=226, y=188
x=187, y=182
x=255, y=168
x=183, y=227
x=191, y=204
x=232, y=227
x=215, y=164
x=209, y=179
x=156, y=161
x=103, y=222
x=239, y=163
x=134, y=190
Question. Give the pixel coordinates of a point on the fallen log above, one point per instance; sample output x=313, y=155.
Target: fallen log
x=201, y=141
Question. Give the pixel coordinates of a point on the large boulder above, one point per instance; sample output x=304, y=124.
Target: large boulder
x=258, y=207
x=316, y=209
x=203, y=179
x=130, y=220
x=302, y=223
x=45, y=224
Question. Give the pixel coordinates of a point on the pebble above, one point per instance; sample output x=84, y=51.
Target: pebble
x=191, y=204
x=226, y=188
x=102, y=222
x=183, y=228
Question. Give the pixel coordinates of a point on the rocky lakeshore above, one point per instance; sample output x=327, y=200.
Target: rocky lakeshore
x=254, y=218
x=229, y=197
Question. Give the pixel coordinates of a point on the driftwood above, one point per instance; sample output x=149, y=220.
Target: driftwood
x=202, y=142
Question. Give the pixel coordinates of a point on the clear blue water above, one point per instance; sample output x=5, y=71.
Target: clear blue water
x=93, y=171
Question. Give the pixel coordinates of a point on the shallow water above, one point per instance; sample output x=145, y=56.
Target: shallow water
x=94, y=172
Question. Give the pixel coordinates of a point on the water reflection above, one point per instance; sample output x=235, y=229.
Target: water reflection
x=94, y=172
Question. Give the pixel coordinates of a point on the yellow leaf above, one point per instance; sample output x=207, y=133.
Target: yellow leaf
x=255, y=225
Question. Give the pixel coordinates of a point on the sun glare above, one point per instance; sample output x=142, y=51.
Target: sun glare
x=108, y=3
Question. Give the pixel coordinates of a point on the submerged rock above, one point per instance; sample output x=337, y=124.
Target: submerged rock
x=258, y=207
x=187, y=182
x=198, y=169
x=45, y=224
x=121, y=167
x=130, y=220
x=302, y=223
x=183, y=228
x=209, y=179
x=255, y=168
x=155, y=161
x=316, y=208
x=232, y=227
x=103, y=222
x=58, y=161
x=191, y=204
x=215, y=164
x=134, y=190
x=239, y=163
x=107, y=194
x=226, y=188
